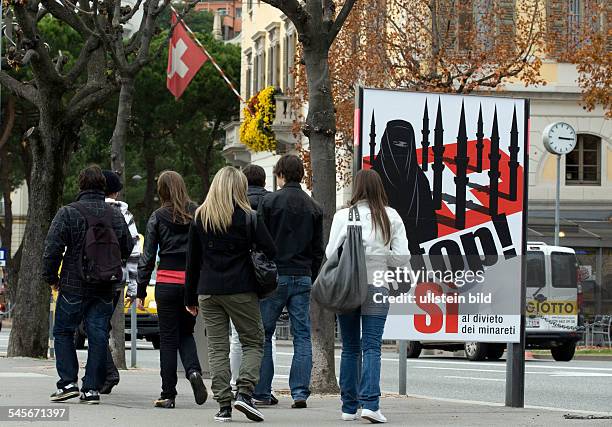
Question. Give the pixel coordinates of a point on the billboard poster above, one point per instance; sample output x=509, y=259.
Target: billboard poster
x=454, y=167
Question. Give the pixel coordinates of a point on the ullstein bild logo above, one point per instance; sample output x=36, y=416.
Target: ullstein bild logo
x=453, y=168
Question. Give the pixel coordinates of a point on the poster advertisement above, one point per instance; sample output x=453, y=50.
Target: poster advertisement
x=454, y=168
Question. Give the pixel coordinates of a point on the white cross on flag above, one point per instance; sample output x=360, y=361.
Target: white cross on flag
x=184, y=59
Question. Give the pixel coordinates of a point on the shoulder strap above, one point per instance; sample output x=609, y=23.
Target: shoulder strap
x=107, y=217
x=356, y=214
x=82, y=210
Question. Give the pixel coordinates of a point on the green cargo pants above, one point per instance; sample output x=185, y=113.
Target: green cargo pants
x=243, y=310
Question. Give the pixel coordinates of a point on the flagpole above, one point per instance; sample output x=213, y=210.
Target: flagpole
x=227, y=80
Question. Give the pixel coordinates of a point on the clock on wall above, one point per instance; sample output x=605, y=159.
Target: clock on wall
x=559, y=138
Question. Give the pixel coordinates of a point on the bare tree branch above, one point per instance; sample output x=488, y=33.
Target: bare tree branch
x=92, y=43
x=21, y=90
x=97, y=97
x=124, y=19
x=294, y=11
x=69, y=16
x=339, y=22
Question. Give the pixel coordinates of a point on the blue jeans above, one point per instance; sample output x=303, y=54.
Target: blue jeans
x=294, y=293
x=96, y=312
x=360, y=360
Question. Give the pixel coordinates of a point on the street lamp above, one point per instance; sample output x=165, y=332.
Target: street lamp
x=559, y=138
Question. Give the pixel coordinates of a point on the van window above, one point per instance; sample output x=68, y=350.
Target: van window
x=536, y=274
x=563, y=267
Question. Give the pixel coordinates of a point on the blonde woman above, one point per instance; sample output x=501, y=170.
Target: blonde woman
x=167, y=235
x=221, y=284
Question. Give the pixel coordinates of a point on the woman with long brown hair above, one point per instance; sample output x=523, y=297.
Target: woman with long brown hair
x=384, y=237
x=167, y=236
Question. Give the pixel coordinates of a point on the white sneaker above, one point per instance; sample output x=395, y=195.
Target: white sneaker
x=348, y=417
x=373, y=417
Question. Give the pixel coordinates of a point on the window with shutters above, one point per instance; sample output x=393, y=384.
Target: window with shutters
x=583, y=164
x=273, y=71
x=572, y=22
x=259, y=65
x=474, y=25
x=289, y=59
x=248, y=75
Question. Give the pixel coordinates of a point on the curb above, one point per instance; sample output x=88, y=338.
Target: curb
x=587, y=357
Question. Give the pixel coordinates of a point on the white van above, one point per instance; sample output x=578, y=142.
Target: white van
x=553, y=301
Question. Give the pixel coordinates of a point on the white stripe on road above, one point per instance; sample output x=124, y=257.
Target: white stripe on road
x=484, y=403
x=22, y=375
x=532, y=364
x=475, y=378
x=580, y=374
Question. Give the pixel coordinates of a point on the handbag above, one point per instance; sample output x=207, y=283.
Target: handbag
x=266, y=273
x=342, y=283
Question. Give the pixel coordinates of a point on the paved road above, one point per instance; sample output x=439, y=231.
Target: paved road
x=576, y=385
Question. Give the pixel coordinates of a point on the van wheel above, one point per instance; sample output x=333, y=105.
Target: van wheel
x=475, y=351
x=155, y=341
x=564, y=353
x=414, y=349
x=495, y=351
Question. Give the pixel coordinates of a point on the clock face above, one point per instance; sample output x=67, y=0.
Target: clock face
x=559, y=138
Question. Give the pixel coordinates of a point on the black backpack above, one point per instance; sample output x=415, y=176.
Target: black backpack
x=100, y=262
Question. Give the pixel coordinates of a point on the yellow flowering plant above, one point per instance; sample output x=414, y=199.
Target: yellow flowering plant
x=256, y=129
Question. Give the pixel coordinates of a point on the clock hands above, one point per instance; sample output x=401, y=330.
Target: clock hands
x=565, y=138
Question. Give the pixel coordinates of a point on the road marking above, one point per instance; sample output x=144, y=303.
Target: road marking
x=580, y=374
x=475, y=378
x=531, y=363
x=441, y=368
x=484, y=403
x=22, y=375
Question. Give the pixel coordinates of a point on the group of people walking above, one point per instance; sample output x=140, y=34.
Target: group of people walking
x=205, y=268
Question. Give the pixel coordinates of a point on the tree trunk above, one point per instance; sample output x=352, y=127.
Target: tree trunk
x=6, y=230
x=50, y=154
x=150, y=169
x=120, y=134
x=320, y=129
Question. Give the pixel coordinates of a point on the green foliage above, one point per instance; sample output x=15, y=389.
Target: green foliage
x=180, y=133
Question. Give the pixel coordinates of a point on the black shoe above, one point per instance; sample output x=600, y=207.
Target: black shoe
x=108, y=387
x=91, y=397
x=299, y=404
x=164, y=403
x=224, y=414
x=69, y=392
x=199, y=389
x=273, y=400
x=244, y=404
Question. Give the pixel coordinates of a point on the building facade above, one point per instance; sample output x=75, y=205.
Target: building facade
x=268, y=50
x=230, y=13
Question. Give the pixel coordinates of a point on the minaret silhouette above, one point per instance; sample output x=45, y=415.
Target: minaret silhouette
x=438, y=151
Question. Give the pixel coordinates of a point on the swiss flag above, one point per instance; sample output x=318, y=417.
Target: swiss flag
x=184, y=59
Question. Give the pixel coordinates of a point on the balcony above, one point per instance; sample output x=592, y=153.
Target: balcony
x=234, y=151
x=237, y=154
x=283, y=124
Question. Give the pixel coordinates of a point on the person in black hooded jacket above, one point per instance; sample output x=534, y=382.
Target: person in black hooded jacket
x=167, y=235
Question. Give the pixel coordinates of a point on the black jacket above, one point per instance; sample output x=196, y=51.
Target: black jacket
x=165, y=238
x=295, y=222
x=256, y=194
x=67, y=232
x=220, y=264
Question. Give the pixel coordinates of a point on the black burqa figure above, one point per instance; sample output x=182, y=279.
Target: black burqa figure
x=406, y=185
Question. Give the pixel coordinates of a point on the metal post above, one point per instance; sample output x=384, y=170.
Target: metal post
x=557, y=200
x=133, y=332
x=51, y=320
x=403, y=361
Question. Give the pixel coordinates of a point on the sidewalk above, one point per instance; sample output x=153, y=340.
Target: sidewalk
x=30, y=381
